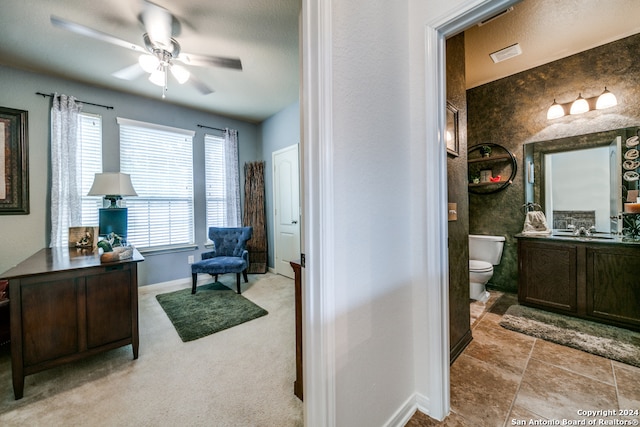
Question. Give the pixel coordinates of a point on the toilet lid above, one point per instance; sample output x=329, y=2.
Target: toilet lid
x=479, y=266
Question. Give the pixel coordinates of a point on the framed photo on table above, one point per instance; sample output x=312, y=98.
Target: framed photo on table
x=451, y=132
x=14, y=165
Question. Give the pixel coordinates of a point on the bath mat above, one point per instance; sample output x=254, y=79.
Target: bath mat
x=213, y=308
x=595, y=338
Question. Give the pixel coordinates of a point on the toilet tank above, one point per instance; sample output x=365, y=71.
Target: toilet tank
x=486, y=248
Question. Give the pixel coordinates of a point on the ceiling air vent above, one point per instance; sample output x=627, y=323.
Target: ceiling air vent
x=506, y=53
x=496, y=16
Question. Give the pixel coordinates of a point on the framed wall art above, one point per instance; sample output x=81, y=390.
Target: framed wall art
x=451, y=135
x=14, y=165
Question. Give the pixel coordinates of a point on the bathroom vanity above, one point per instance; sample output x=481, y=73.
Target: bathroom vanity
x=595, y=278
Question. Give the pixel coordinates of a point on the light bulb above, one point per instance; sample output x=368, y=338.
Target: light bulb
x=157, y=77
x=149, y=63
x=579, y=106
x=555, y=111
x=180, y=73
x=606, y=100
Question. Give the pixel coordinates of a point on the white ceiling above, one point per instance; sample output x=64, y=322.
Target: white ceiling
x=264, y=35
x=546, y=30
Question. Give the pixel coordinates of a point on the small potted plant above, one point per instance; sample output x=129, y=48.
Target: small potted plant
x=485, y=150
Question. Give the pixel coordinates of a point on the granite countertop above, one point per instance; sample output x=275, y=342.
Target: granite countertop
x=567, y=236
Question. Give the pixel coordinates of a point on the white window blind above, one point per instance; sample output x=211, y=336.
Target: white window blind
x=89, y=162
x=160, y=162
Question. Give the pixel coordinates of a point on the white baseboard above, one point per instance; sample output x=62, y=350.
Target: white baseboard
x=408, y=409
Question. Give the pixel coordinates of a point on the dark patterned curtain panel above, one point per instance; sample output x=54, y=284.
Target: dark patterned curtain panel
x=254, y=216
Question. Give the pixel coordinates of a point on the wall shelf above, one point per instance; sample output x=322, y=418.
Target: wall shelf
x=500, y=156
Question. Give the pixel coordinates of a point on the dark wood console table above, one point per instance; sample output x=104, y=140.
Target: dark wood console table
x=297, y=385
x=66, y=305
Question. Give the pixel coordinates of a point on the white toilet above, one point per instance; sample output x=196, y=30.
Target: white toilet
x=484, y=253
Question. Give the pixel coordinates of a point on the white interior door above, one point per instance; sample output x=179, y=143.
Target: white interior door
x=286, y=195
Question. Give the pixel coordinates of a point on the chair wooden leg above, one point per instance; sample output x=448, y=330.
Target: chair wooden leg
x=246, y=278
x=238, y=282
x=194, y=280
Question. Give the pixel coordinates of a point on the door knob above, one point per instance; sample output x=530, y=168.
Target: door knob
x=294, y=222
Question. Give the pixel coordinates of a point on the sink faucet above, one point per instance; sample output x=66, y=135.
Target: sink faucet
x=582, y=231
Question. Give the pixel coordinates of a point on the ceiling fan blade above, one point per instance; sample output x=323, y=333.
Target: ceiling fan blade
x=129, y=73
x=95, y=34
x=207, y=61
x=158, y=23
x=202, y=87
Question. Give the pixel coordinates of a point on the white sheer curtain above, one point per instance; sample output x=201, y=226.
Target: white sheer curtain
x=66, y=201
x=233, y=177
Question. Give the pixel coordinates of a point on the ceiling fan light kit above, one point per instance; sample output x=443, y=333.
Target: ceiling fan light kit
x=162, y=47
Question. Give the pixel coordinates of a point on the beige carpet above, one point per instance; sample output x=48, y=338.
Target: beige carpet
x=242, y=376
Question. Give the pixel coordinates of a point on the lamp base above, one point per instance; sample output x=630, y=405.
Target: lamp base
x=114, y=200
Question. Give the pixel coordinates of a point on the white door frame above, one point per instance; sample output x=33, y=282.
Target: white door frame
x=319, y=304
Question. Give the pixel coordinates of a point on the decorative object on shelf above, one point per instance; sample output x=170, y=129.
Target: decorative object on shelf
x=485, y=175
x=633, y=207
x=496, y=178
x=632, y=154
x=630, y=176
x=502, y=162
x=485, y=150
x=581, y=105
x=452, y=132
x=14, y=165
x=632, y=141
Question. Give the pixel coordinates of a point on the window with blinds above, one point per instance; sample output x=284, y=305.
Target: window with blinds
x=160, y=162
x=89, y=162
x=215, y=176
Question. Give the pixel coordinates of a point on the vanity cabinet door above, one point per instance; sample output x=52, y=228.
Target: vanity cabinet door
x=613, y=284
x=547, y=275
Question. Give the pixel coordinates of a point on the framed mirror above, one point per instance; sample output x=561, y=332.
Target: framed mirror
x=578, y=180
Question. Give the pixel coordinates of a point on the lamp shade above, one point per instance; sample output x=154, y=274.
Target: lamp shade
x=112, y=184
x=579, y=106
x=555, y=111
x=606, y=100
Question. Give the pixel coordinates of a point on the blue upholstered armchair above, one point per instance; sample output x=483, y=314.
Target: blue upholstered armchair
x=229, y=255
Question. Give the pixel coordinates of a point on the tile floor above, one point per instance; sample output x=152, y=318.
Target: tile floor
x=505, y=378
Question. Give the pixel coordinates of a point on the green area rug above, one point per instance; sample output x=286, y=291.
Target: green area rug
x=603, y=340
x=213, y=308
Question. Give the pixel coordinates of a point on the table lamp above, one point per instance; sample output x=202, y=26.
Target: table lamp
x=112, y=185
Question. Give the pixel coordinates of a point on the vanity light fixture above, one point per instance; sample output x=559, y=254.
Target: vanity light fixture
x=606, y=100
x=555, y=111
x=581, y=105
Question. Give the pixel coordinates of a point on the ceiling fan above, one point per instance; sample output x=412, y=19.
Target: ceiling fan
x=160, y=52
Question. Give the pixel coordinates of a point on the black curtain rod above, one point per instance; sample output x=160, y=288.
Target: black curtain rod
x=51, y=95
x=209, y=127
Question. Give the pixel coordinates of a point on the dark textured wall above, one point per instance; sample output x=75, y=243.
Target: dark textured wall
x=512, y=111
x=459, y=329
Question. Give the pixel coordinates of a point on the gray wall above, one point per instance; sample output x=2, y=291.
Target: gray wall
x=512, y=111
x=23, y=235
x=278, y=131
